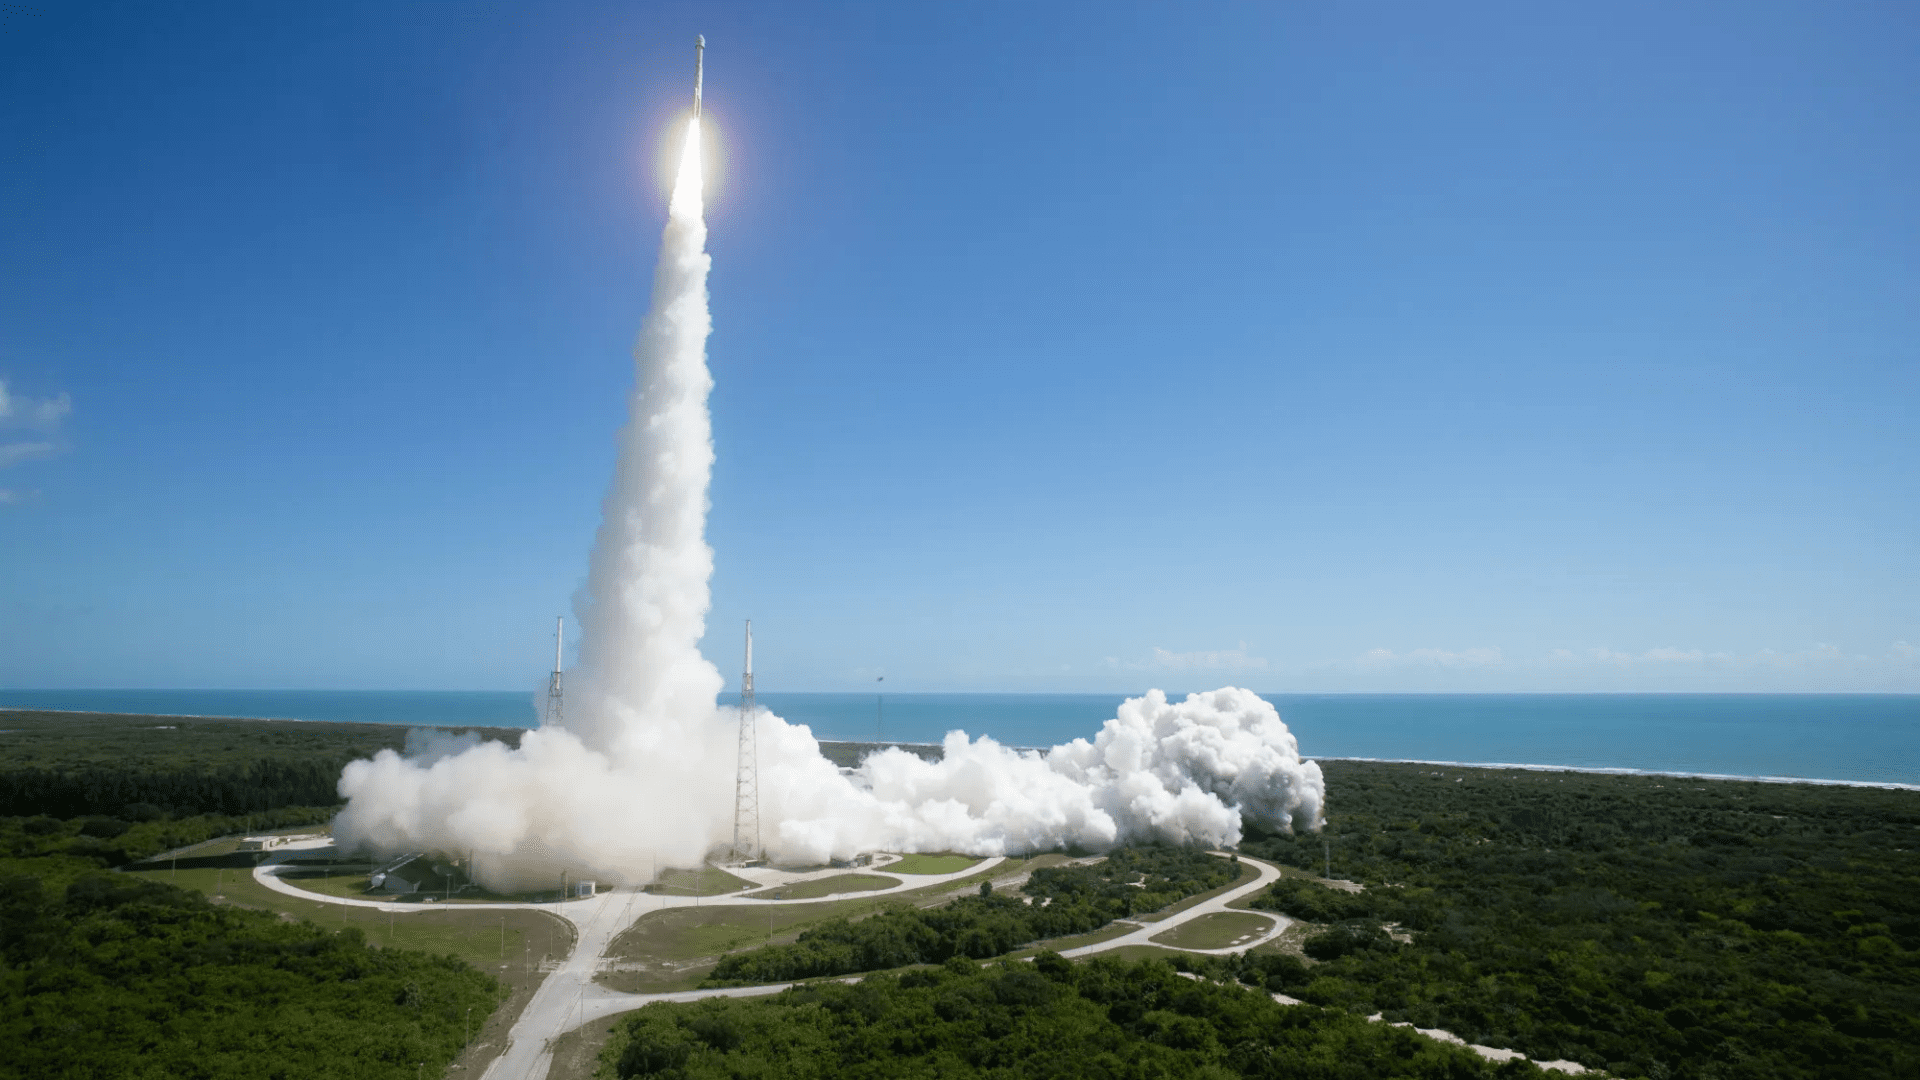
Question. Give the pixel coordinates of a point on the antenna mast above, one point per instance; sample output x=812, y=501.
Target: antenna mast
x=553, y=714
x=746, y=784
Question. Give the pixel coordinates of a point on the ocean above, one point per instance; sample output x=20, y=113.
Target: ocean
x=1858, y=738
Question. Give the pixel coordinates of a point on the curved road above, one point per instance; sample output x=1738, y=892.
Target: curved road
x=569, y=997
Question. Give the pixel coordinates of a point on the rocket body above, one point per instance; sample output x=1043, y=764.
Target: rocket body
x=699, y=62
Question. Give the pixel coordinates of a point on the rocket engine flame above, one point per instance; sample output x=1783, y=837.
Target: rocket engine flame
x=641, y=772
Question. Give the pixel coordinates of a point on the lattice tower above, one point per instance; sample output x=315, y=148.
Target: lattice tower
x=746, y=784
x=554, y=713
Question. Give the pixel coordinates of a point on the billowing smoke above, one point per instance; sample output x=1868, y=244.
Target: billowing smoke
x=641, y=774
x=1187, y=773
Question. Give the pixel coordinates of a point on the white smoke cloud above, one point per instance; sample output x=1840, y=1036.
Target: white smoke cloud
x=641, y=773
x=1188, y=773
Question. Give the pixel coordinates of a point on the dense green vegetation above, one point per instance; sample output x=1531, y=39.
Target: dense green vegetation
x=1650, y=926
x=58, y=850
x=74, y=764
x=1064, y=900
x=1104, y=1018
x=118, y=977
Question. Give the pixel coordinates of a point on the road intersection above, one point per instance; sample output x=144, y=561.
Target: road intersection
x=568, y=997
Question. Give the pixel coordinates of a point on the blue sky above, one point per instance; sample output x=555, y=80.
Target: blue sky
x=1386, y=346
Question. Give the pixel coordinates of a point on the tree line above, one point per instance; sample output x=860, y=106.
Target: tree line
x=74, y=764
x=1059, y=901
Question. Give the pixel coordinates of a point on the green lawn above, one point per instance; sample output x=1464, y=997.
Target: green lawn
x=1219, y=931
x=344, y=882
x=473, y=936
x=826, y=886
x=706, y=881
x=1105, y=933
x=931, y=864
x=674, y=949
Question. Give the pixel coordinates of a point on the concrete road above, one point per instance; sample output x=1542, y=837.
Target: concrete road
x=1148, y=931
x=569, y=997
x=574, y=999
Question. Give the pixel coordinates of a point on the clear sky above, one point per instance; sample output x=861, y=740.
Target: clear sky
x=1362, y=346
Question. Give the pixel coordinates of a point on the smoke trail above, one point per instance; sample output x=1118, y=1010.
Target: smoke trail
x=641, y=678
x=641, y=771
x=637, y=773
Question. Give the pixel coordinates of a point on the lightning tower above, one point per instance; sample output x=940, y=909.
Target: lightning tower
x=746, y=784
x=553, y=714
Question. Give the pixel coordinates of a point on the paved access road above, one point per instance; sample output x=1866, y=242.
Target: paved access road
x=569, y=997
x=1211, y=906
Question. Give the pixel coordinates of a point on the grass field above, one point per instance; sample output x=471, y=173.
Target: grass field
x=706, y=881
x=473, y=936
x=675, y=948
x=329, y=881
x=1131, y=953
x=931, y=864
x=1218, y=931
x=1105, y=933
x=826, y=886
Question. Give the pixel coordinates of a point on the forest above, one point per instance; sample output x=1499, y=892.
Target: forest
x=73, y=764
x=1064, y=900
x=1650, y=926
x=1105, y=1018
x=117, y=977
x=109, y=975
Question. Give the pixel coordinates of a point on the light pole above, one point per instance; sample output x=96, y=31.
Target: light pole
x=469, y=1029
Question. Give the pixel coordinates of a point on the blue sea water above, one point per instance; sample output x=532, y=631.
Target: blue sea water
x=1872, y=738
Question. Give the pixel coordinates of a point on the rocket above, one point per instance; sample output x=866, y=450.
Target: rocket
x=699, y=61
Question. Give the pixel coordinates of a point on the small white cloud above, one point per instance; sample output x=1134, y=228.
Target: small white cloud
x=1433, y=658
x=42, y=416
x=1220, y=660
x=1674, y=656
x=1465, y=658
x=15, y=453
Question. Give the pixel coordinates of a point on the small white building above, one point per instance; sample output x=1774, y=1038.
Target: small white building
x=583, y=889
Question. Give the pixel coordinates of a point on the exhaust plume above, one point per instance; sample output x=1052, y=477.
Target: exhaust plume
x=640, y=773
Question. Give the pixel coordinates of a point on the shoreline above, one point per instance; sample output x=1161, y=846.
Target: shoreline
x=1610, y=770
x=1600, y=770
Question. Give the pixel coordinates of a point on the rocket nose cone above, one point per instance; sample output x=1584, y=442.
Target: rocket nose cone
x=700, y=42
